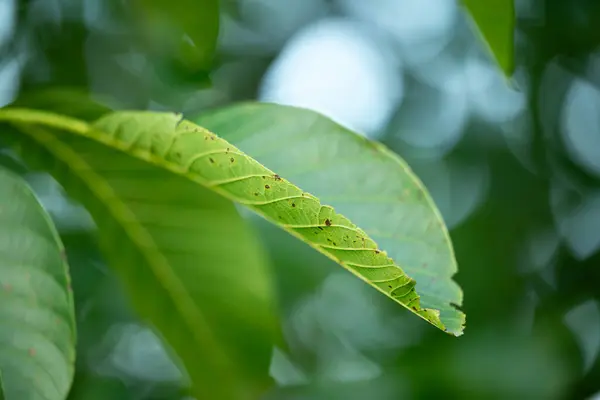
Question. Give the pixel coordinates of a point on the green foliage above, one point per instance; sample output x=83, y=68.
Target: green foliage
x=37, y=329
x=189, y=263
x=496, y=22
x=188, y=28
x=507, y=179
x=390, y=204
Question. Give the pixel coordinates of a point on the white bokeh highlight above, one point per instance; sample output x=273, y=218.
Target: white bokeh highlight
x=584, y=322
x=577, y=215
x=10, y=70
x=338, y=68
x=580, y=125
x=420, y=28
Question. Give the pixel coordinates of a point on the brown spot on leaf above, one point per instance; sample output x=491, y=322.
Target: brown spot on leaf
x=256, y=193
x=328, y=222
x=267, y=187
x=31, y=351
x=377, y=251
x=320, y=228
x=232, y=159
x=277, y=177
x=293, y=204
x=211, y=160
x=212, y=138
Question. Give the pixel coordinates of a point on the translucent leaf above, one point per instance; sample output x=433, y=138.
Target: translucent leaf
x=496, y=22
x=362, y=180
x=37, y=327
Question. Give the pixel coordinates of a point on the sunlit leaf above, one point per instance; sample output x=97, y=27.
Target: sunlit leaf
x=37, y=328
x=362, y=180
x=188, y=261
x=496, y=22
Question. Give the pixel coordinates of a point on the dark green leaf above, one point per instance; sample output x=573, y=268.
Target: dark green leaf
x=189, y=28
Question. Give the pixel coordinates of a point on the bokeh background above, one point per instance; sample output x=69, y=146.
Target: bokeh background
x=513, y=164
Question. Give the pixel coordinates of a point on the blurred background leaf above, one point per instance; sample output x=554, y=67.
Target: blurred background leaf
x=496, y=21
x=183, y=31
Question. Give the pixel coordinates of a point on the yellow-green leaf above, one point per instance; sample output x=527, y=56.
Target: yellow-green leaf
x=37, y=326
x=362, y=180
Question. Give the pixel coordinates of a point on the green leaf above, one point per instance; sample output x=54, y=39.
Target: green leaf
x=496, y=22
x=362, y=180
x=187, y=27
x=188, y=261
x=37, y=327
x=189, y=151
